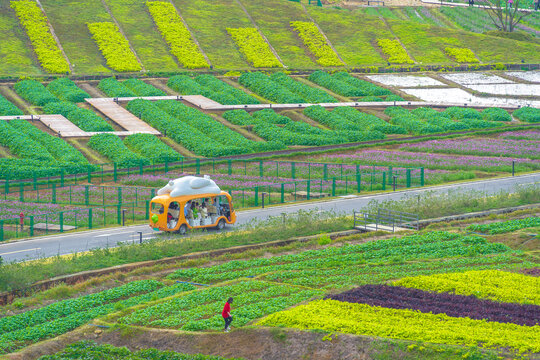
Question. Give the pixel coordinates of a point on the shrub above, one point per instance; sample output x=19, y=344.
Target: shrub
x=308, y=93
x=7, y=108
x=114, y=47
x=395, y=52
x=66, y=89
x=496, y=114
x=115, y=88
x=110, y=146
x=37, y=28
x=34, y=92
x=527, y=114
x=151, y=147
x=264, y=86
x=461, y=55
x=176, y=34
x=347, y=85
x=140, y=88
x=316, y=43
x=254, y=47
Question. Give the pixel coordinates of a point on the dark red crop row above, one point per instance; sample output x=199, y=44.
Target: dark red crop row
x=453, y=305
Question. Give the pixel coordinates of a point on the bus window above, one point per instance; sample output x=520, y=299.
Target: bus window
x=157, y=208
x=173, y=214
x=224, y=208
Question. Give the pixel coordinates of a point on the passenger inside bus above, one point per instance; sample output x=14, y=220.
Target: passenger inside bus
x=173, y=215
x=157, y=208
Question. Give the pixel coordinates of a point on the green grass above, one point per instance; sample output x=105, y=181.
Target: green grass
x=208, y=21
x=16, y=56
x=73, y=33
x=142, y=34
x=352, y=34
x=273, y=19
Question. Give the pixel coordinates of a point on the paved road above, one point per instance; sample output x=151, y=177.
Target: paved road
x=81, y=241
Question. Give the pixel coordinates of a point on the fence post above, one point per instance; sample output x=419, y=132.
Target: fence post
x=62, y=173
x=54, y=193
x=35, y=179
x=86, y=195
x=384, y=180
x=1, y=230
x=115, y=172
x=119, y=195
x=282, y=193
x=229, y=167
x=6, y=184
x=358, y=182
x=141, y=167
x=166, y=166
x=308, y=189
x=147, y=210
x=261, y=173
x=390, y=174
x=408, y=178
x=90, y=218
x=256, y=196
x=31, y=225
x=325, y=172
x=293, y=170
x=333, y=186
x=89, y=174
x=61, y=218
x=21, y=192
x=119, y=214
x=421, y=176
x=197, y=166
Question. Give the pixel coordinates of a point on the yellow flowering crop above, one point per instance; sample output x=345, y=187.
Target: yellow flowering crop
x=362, y=319
x=176, y=34
x=35, y=23
x=254, y=48
x=461, y=55
x=114, y=46
x=395, y=52
x=495, y=285
x=316, y=43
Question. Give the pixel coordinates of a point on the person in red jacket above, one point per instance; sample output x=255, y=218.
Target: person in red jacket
x=226, y=313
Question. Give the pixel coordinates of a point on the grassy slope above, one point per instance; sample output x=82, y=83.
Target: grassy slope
x=142, y=34
x=73, y=33
x=352, y=34
x=16, y=56
x=208, y=21
x=273, y=19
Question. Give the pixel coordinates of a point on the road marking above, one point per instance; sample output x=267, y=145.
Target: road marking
x=18, y=251
x=113, y=234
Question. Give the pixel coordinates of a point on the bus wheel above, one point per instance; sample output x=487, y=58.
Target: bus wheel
x=183, y=229
x=220, y=224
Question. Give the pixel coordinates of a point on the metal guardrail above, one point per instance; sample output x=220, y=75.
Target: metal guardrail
x=386, y=220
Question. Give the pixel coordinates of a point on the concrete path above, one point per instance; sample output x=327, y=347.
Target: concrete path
x=81, y=241
x=125, y=119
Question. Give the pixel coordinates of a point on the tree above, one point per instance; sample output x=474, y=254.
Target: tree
x=505, y=14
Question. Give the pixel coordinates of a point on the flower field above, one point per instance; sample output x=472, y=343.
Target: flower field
x=484, y=284
x=35, y=23
x=362, y=319
x=394, y=51
x=114, y=46
x=253, y=46
x=434, y=161
x=485, y=147
x=91, y=350
x=176, y=34
x=461, y=55
x=316, y=43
